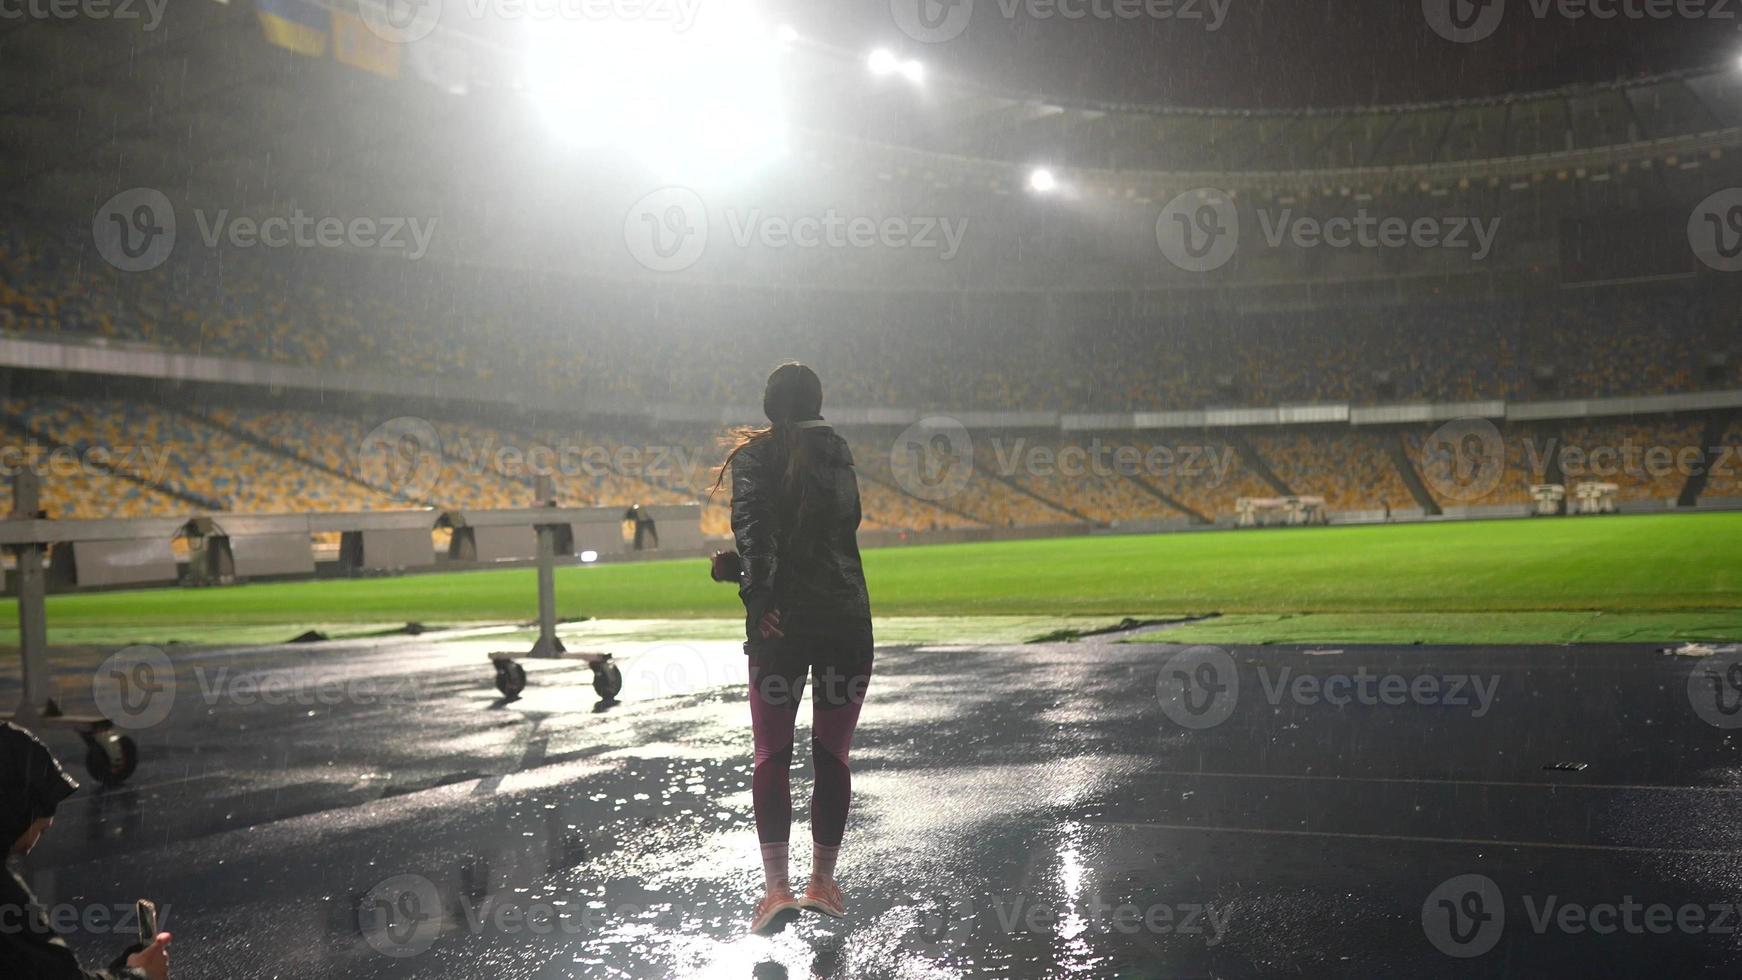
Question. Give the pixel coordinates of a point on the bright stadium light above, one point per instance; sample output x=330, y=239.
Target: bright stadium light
x=1041, y=180
x=712, y=110
x=913, y=71
x=883, y=62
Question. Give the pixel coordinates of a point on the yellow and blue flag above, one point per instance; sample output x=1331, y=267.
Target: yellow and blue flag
x=294, y=25
x=355, y=44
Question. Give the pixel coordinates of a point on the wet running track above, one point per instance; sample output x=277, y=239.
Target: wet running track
x=1093, y=809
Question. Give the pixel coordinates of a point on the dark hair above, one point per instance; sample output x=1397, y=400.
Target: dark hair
x=793, y=394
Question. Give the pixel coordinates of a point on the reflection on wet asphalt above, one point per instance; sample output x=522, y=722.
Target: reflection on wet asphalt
x=374, y=809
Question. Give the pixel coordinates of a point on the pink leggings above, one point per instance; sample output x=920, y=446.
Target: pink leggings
x=775, y=692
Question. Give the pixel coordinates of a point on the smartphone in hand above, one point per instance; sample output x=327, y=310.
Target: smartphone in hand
x=147, y=910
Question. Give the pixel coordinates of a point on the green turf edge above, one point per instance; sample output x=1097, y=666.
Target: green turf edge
x=1457, y=629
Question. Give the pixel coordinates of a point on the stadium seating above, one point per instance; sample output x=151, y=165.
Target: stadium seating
x=873, y=350
x=1349, y=468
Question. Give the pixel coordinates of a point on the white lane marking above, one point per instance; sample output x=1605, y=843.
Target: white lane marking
x=1412, y=839
x=1409, y=781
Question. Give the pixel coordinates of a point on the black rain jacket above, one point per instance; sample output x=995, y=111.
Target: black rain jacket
x=802, y=561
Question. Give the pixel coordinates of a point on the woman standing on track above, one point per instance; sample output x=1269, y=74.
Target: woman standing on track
x=795, y=515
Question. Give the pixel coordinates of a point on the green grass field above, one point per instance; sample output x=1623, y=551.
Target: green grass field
x=1668, y=577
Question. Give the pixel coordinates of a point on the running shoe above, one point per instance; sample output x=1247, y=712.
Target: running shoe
x=824, y=897
x=768, y=911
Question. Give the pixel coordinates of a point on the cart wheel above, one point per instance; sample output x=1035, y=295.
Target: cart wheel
x=510, y=678
x=111, y=758
x=607, y=681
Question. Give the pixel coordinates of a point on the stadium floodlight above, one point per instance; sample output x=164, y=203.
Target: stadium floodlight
x=913, y=71
x=713, y=111
x=1042, y=181
x=883, y=62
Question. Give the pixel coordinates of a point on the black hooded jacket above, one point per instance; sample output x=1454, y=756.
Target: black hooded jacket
x=802, y=560
x=32, y=785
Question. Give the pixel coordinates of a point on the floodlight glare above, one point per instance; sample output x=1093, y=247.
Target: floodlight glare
x=914, y=71
x=714, y=111
x=1041, y=180
x=786, y=34
x=883, y=61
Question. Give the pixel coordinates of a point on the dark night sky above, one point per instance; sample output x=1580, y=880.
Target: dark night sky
x=1292, y=53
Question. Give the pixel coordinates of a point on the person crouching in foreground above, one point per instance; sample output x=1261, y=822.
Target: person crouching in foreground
x=32, y=786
